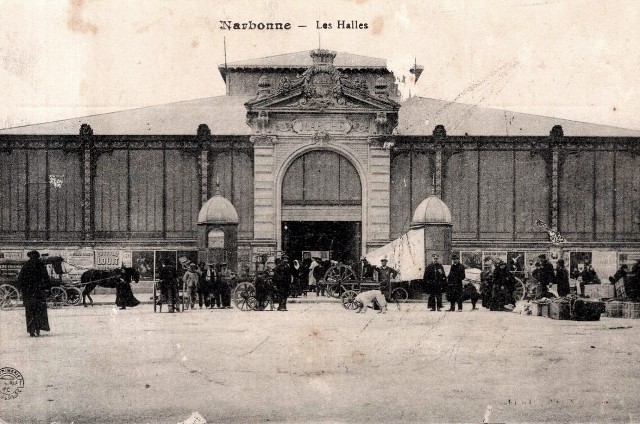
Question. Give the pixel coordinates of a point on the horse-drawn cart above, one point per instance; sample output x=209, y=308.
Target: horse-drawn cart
x=62, y=291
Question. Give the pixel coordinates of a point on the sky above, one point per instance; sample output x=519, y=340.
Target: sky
x=573, y=59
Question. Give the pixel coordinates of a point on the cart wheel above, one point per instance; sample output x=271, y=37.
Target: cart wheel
x=519, y=291
x=252, y=304
x=74, y=295
x=241, y=295
x=333, y=290
x=8, y=297
x=57, y=298
x=349, y=300
x=340, y=275
x=399, y=294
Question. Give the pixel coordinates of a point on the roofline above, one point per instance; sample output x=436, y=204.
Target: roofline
x=223, y=68
x=110, y=113
x=403, y=102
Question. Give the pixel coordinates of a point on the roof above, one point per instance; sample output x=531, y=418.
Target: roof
x=226, y=115
x=431, y=210
x=303, y=60
x=217, y=210
x=419, y=116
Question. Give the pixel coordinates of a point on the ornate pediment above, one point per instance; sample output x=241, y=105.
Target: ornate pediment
x=322, y=88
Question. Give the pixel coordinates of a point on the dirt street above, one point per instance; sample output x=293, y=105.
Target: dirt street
x=320, y=363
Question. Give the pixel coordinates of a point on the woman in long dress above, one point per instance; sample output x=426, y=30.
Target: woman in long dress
x=124, y=294
x=33, y=280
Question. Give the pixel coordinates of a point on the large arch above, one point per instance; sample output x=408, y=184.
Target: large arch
x=358, y=165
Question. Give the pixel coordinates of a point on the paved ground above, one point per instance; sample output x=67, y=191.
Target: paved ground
x=320, y=363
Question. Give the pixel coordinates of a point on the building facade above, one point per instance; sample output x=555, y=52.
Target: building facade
x=317, y=153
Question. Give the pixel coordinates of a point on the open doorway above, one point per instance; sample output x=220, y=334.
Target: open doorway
x=340, y=238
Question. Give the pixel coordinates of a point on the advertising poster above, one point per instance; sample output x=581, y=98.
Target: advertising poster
x=143, y=261
x=518, y=259
x=494, y=255
x=629, y=258
x=471, y=259
x=605, y=264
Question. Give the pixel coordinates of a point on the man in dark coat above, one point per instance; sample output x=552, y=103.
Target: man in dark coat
x=282, y=282
x=434, y=280
x=33, y=280
x=562, y=279
x=544, y=276
x=168, y=277
x=486, y=284
x=454, y=284
x=503, y=286
x=225, y=282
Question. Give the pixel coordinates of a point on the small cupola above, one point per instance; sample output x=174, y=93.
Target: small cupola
x=217, y=211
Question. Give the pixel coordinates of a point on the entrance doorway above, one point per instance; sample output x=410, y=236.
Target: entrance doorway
x=340, y=238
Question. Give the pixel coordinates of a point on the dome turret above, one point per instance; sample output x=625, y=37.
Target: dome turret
x=431, y=210
x=217, y=211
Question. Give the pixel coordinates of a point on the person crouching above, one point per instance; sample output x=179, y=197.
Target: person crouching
x=367, y=298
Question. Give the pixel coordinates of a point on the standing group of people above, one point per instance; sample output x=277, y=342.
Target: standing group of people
x=276, y=284
x=436, y=282
x=209, y=284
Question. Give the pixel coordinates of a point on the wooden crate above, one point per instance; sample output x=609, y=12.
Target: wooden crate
x=613, y=308
x=559, y=309
x=631, y=310
x=545, y=309
x=599, y=291
x=536, y=309
x=620, y=290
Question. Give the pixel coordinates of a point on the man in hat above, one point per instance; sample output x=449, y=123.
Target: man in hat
x=454, y=283
x=226, y=280
x=282, y=281
x=385, y=274
x=503, y=286
x=434, y=280
x=545, y=276
x=168, y=277
x=585, y=276
x=191, y=280
x=33, y=280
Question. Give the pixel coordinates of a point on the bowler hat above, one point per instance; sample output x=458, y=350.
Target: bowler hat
x=34, y=254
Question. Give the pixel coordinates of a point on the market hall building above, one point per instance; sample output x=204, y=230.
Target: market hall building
x=316, y=152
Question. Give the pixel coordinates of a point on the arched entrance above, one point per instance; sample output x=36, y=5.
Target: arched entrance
x=321, y=209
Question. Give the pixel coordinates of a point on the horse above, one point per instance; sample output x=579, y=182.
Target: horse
x=115, y=278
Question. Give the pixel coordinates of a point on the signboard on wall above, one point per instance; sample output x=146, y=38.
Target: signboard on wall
x=13, y=254
x=107, y=259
